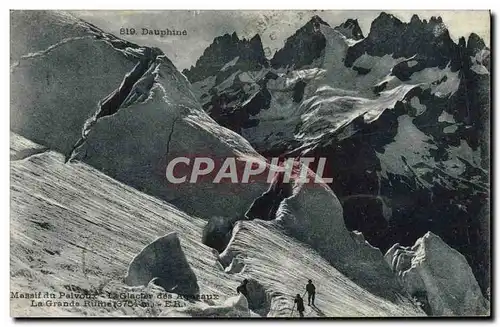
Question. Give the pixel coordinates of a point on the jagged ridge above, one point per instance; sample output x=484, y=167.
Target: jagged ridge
x=224, y=49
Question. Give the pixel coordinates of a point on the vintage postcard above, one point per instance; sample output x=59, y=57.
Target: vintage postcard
x=260, y=164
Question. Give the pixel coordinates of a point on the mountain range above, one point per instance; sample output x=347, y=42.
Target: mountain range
x=402, y=116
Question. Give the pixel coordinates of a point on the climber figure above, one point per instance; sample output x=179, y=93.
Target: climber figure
x=243, y=288
x=311, y=292
x=300, y=305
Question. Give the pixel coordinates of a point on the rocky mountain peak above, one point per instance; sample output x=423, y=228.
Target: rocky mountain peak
x=317, y=20
x=225, y=48
x=475, y=43
x=390, y=36
x=436, y=20
x=350, y=29
x=415, y=19
x=384, y=26
x=302, y=47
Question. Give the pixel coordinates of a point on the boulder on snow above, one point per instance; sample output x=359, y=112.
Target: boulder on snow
x=437, y=274
x=164, y=261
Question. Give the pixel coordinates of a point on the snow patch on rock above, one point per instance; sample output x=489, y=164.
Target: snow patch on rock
x=236, y=266
x=446, y=117
x=420, y=108
x=410, y=147
x=230, y=64
x=450, y=129
x=442, y=82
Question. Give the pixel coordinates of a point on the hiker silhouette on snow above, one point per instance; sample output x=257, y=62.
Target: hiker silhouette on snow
x=243, y=288
x=311, y=292
x=300, y=305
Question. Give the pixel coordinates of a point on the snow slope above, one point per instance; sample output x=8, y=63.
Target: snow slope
x=74, y=228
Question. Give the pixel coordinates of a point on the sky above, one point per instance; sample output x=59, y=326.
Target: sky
x=273, y=26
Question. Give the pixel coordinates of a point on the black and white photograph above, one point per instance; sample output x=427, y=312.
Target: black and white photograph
x=294, y=164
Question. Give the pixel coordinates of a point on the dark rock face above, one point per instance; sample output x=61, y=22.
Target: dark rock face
x=455, y=210
x=303, y=47
x=265, y=206
x=475, y=43
x=217, y=233
x=361, y=70
x=388, y=35
x=233, y=108
x=298, y=91
x=350, y=29
x=224, y=49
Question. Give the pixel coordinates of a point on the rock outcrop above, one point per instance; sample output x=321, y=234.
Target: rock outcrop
x=350, y=29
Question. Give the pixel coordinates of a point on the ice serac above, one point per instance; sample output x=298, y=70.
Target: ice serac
x=314, y=215
x=439, y=277
x=163, y=260
x=345, y=297
x=135, y=113
x=136, y=143
x=49, y=103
